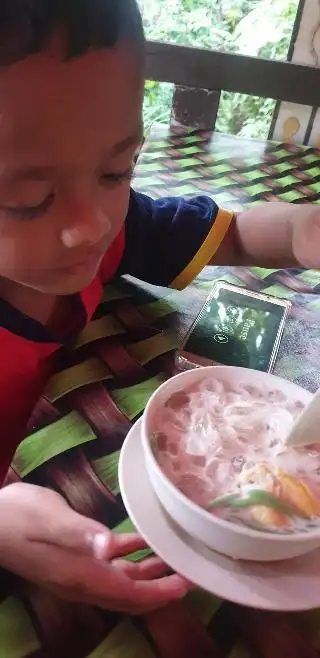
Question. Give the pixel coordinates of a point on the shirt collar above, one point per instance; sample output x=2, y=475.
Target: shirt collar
x=16, y=322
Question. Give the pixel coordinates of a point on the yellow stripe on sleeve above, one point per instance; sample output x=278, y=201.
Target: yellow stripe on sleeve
x=207, y=250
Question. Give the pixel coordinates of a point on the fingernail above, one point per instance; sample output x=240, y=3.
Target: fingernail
x=183, y=589
x=99, y=543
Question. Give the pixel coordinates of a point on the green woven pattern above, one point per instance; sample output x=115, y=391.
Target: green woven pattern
x=236, y=172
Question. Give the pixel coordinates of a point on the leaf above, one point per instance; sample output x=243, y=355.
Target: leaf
x=255, y=497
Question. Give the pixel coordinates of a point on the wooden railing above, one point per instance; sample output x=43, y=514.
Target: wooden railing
x=199, y=76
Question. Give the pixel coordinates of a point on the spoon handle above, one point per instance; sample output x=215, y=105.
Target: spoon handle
x=306, y=429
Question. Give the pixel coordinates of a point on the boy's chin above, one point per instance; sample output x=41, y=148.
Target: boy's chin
x=64, y=282
x=74, y=284
x=68, y=284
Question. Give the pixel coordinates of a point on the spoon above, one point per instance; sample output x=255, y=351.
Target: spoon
x=306, y=429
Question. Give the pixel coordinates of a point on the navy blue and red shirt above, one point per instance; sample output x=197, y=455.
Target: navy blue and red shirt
x=166, y=242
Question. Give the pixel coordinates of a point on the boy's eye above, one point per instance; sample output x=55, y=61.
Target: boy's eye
x=29, y=212
x=117, y=178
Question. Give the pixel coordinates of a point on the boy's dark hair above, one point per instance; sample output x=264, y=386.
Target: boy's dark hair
x=26, y=26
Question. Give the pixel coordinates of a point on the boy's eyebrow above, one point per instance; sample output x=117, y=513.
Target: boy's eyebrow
x=132, y=140
x=42, y=173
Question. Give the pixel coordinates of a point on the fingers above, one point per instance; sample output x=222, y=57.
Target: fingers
x=79, y=534
x=172, y=591
x=105, y=582
x=70, y=530
x=98, y=583
x=145, y=570
x=49, y=519
x=147, y=598
x=103, y=544
x=49, y=543
x=112, y=587
x=42, y=516
x=159, y=590
x=59, y=525
x=125, y=544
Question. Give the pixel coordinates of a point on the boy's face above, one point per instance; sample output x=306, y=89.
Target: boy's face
x=68, y=135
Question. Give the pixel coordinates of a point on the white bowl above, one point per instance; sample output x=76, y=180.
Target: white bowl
x=229, y=539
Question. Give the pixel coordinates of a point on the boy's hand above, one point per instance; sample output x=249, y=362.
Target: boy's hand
x=43, y=540
x=306, y=237
x=274, y=234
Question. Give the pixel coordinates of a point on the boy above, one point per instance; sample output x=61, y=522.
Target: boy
x=71, y=89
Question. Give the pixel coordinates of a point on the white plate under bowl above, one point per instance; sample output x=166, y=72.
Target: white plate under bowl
x=290, y=585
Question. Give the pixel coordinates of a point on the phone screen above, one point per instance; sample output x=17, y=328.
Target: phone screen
x=237, y=329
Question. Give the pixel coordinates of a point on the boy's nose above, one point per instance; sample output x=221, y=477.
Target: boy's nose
x=89, y=230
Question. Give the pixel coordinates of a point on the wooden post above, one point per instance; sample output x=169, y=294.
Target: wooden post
x=196, y=108
x=293, y=122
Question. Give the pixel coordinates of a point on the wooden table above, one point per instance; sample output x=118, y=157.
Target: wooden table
x=79, y=425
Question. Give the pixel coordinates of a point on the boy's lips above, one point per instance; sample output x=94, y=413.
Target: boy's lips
x=86, y=263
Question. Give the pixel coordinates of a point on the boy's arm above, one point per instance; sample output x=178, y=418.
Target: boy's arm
x=272, y=235
x=169, y=241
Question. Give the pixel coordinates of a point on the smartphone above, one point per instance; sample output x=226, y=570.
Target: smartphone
x=235, y=327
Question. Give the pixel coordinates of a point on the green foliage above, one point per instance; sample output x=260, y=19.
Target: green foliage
x=260, y=28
